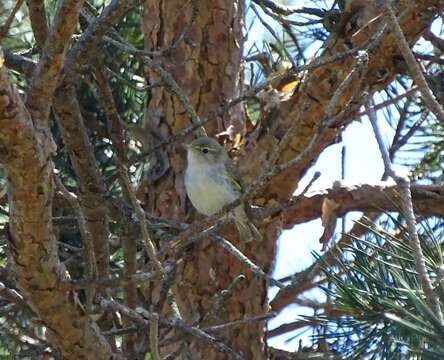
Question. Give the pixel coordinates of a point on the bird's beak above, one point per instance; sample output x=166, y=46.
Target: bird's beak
x=186, y=146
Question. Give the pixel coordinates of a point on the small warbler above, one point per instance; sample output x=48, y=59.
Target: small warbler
x=212, y=181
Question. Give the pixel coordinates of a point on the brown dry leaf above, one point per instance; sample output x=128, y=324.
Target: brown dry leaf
x=328, y=218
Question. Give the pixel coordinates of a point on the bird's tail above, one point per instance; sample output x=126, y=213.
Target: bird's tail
x=246, y=229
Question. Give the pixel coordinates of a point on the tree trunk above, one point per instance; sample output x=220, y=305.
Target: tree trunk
x=207, y=67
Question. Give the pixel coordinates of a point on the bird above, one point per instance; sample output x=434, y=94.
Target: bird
x=212, y=182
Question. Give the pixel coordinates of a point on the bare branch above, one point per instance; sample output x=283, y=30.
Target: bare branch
x=414, y=68
x=86, y=46
x=433, y=58
x=167, y=80
x=246, y=261
x=317, y=63
x=4, y=29
x=87, y=239
x=39, y=24
x=140, y=318
x=225, y=326
x=20, y=64
x=393, y=100
x=119, y=281
x=92, y=189
x=407, y=208
x=46, y=75
x=304, y=280
x=273, y=33
x=435, y=40
x=317, y=92
x=154, y=336
x=362, y=197
x=289, y=10
x=34, y=258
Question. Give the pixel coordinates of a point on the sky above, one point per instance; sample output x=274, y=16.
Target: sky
x=363, y=164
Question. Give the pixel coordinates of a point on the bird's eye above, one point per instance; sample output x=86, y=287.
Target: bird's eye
x=205, y=150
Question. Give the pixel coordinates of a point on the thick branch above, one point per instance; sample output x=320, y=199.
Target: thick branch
x=427, y=200
x=20, y=64
x=33, y=249
x=39, y=24
x=45, y=78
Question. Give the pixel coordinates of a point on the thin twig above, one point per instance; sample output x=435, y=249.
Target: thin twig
x=246, y=261
x=393, y=100
x=361, y=66
x=220, y=298
x=410, y=132
x=328, y=120
x=86, y=46
x=432, y=58
x=149, y=246
x=436, y=41
x=412, y=64
x=88, y=245
x=407, y=208
x=154, y=336
x=113, y=121
x=119, y=281
x=304, y=280
x=7, y=24
x=140, y=213
x=129, y=246
x=202, y=229
x=212, y=115
x=273, y=33
x=290, y=10
x=142, y=316
x=170, y=84
x=235, y=323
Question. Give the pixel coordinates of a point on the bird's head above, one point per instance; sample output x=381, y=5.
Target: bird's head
x=205, y=150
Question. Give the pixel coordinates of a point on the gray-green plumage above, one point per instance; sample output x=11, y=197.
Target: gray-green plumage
x=212, y=181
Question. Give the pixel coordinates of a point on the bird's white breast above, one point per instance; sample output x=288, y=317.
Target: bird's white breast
x=207, y=187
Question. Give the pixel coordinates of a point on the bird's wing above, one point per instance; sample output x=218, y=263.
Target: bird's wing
x=235, y=179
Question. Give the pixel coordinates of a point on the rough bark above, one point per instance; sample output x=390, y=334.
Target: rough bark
x=199, y=65
x=33, y=249
x=206, y=65
x=46, y=74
